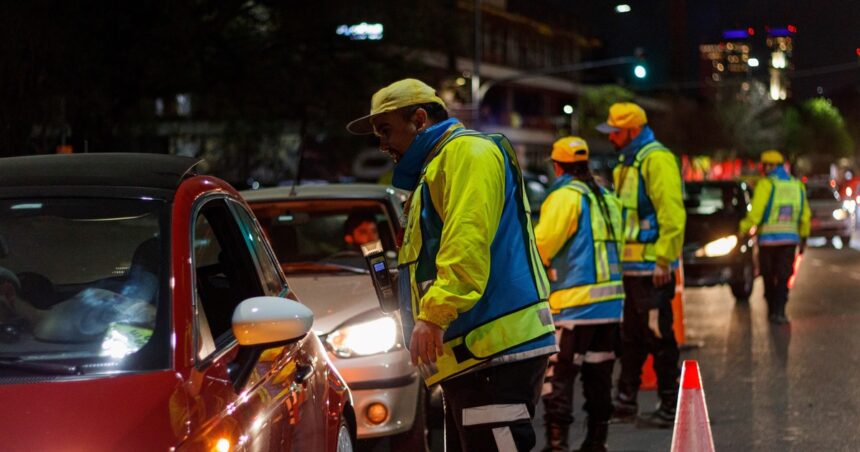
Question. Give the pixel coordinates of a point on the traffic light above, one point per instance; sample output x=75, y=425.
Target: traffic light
x=639, y=69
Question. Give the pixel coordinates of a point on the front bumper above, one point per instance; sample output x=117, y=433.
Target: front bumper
x=710, y=271
x=386, y=378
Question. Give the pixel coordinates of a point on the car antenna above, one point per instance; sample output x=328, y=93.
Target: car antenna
x=298, y=178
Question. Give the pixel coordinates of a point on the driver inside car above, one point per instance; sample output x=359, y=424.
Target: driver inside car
x=85, y=317
x=359, y=229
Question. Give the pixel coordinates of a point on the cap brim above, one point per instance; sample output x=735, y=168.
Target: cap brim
x=606, y=128
x=361, y=126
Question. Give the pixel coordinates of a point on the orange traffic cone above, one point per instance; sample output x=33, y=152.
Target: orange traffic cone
x=649, y=377
x=692, y=427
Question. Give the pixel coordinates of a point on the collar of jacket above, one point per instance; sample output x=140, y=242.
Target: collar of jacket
x=628, y=153
x=407, y=172
x=779, y=173
x=560, y=181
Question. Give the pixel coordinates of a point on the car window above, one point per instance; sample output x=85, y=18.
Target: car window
x=256, y=241
x=82, y=283
x=303, y=233
x=704, y=199
x=225, y=275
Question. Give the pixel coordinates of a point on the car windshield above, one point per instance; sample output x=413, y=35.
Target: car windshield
x=81, y=286
x=823, y=193
x=709, y=199
x=324, y=235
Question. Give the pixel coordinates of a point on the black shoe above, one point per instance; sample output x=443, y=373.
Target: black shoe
x=624, y=412
x=595, y=439
x=662, y=418
x=556, y=438
x=778, y=319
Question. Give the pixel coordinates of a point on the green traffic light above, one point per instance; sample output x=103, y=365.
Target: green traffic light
x=639, y=71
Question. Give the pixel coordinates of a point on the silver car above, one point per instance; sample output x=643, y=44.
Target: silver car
x=831, y=216
x=307, y=228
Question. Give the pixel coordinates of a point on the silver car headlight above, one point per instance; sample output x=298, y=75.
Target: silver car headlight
x=719, y=247
x=840, y=214
x=365, y=338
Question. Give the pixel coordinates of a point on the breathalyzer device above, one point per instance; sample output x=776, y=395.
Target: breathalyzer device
x=383, y=281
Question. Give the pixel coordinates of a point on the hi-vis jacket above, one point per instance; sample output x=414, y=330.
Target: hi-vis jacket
x=779, y=210
x=649, y=186
x=583, y=246
x=468, y=262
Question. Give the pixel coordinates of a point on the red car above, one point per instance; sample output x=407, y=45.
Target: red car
x=141, y=308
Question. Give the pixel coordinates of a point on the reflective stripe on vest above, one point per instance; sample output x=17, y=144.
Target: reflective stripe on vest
x=588, y=265
x=782, y=215
x=491, y=327
x=641, y=229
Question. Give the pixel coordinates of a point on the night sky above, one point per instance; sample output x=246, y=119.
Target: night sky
x=828, y=32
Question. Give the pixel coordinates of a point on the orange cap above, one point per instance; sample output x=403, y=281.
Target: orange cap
x=623, y=115
x=570, y=150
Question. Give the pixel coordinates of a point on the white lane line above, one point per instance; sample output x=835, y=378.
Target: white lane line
x=835, y=268
x=855, y=276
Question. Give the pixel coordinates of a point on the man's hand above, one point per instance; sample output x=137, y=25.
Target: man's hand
x=426, y=342
x=802, y=247
x=662, y=275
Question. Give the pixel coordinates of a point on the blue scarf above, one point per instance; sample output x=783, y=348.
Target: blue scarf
x=628, y=153
x=779, y=173
x=407, y=172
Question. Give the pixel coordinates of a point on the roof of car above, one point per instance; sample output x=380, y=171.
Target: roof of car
x=157, y=171
x=331, y=191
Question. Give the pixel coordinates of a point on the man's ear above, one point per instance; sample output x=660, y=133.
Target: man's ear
x=420, y=119
x=349, y=240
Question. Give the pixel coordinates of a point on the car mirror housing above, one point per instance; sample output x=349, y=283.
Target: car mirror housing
x=270, y=320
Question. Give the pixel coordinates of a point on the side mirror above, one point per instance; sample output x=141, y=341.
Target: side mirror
x=270, y=320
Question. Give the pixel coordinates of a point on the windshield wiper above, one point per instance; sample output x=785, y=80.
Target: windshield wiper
x=319, y=266
x=41, y=367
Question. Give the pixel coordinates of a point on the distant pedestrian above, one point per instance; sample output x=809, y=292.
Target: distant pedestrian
x=780, y=217
x=648, y=181
x=473, y=293
x=580, y=237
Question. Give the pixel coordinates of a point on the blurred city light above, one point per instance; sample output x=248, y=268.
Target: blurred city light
x=568, y=109
x=461, y=81
x=362, y=31
x=753, y=62
x=622, y=8
x=639, y=71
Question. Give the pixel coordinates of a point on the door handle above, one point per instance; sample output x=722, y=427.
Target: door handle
x=303, y=371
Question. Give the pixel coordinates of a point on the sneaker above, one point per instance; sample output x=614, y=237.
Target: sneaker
x=623, y=412
x=661, y=418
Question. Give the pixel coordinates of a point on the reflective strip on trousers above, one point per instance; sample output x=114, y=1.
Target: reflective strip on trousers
x=495, y=414
x=504, y=439
x=593, y=357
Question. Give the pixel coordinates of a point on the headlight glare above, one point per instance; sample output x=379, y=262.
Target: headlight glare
x=840, y=214
x=365, y=338
x=719, y=247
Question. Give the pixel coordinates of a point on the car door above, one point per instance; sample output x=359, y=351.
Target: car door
x=242, y=399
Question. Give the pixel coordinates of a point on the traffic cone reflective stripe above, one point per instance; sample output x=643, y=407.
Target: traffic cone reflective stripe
x=692, y=427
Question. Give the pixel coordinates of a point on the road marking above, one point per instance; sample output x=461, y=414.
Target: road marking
x=855, y=276
x=835, y=269
x=817, y=262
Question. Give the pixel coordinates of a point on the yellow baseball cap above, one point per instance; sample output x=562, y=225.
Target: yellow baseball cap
x=772, y=157
x=623, y=115
x=399, y=94
x=570, y=150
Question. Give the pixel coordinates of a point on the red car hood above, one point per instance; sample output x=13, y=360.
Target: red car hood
x=131, y=412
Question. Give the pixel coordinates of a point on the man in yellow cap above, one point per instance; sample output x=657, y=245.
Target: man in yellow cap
x=648, y=181
x=780, y=216
x=580, y=238
x=473, y=293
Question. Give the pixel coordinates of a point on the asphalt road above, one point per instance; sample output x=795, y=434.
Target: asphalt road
x=770, y=388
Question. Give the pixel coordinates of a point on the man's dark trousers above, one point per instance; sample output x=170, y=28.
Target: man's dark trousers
x=776, y=264
x=492, y=408
x=638, y=340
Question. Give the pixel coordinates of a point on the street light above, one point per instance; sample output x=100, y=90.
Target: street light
x=622, y=8
x=752, y=62
x=568, y=109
